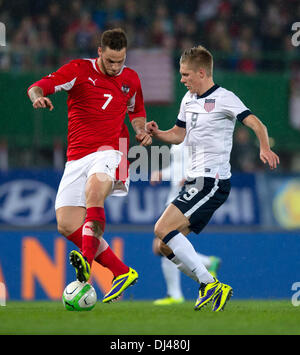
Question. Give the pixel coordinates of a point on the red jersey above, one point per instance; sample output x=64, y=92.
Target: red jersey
x=97, y=104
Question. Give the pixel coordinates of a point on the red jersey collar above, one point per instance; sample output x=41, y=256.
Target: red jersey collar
x=97, y=68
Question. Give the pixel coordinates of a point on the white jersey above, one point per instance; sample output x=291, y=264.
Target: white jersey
x=209, y=120
x=176, y=171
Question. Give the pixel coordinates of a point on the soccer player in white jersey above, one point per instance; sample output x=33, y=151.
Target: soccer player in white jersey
x=175, y=173
x=206, y=121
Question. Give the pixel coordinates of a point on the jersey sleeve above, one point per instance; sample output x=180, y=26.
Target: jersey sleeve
x=135, y=106
x=63, y=79
x=235, y=108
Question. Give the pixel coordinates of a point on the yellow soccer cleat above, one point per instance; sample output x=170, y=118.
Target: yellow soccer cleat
x=207, y=292
x=168, y=301
x=120, y=284
x=223, y=296
x=82, y=267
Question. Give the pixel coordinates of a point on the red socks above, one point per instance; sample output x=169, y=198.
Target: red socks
x=90, y=238
x=76, y=237
x=85, y=240
x=109, y=259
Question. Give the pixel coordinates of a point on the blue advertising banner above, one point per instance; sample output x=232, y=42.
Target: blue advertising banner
x=34, y=265
x=27, y=199
x=145, y=203
x=281, y=193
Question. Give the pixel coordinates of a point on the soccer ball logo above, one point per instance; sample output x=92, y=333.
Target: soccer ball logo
x=79, y=296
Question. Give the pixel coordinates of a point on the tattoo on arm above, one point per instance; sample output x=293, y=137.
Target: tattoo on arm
x=35, y=92
x=138, y=124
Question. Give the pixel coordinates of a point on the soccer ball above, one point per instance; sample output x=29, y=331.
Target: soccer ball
x=79, y=296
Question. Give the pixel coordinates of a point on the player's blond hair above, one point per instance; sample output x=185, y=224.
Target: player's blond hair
x=198, y=57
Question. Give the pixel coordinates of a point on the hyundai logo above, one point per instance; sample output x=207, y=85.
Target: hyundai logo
x=27, y=203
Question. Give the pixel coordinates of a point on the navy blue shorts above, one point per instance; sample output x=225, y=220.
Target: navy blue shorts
x=200, y=198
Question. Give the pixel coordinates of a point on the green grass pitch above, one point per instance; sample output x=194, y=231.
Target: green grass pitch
x=143, y=318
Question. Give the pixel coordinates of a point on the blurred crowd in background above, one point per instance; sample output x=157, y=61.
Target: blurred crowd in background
x=247, y=35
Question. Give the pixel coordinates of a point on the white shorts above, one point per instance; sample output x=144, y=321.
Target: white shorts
x=71, y=190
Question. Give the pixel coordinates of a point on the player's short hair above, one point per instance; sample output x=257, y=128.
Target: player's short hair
x=115, y=39
x=198, y=57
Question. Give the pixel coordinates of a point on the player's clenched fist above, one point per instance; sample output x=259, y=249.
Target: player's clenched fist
x=152, y=127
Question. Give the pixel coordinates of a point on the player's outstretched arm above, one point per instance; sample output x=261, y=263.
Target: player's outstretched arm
x=266, y=154
x=175, y=135
x=38, y=99
x=152, y=127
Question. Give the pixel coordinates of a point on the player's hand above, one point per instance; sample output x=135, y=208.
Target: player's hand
x=144, y=138
x=152, y=127
x=269, y=157
x=43, y=102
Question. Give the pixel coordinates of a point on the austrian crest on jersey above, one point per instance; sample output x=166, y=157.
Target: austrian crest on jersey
x=125, y=89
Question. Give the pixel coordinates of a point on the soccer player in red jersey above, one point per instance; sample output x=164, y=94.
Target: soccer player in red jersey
x=100, y=93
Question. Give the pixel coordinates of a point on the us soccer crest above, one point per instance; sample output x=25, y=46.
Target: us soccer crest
x=125, y=89
x=209, y=104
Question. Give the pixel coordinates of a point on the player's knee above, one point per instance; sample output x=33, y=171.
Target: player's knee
x=94, y=197
x=159, y=231
x=65, y=229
